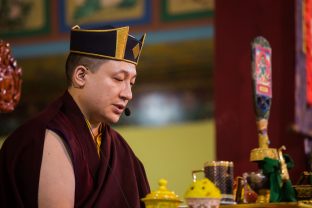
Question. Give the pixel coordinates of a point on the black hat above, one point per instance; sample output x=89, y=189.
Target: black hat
x=112, y=43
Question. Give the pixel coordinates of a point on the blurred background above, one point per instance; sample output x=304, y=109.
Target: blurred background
x=193, y=96
x=170, y=127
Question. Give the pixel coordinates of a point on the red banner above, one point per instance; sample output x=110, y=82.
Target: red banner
x=308, y=43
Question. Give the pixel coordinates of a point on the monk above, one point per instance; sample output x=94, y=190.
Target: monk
x=68, y=155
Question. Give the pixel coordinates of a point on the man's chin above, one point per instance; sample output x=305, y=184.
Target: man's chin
x=113, y=120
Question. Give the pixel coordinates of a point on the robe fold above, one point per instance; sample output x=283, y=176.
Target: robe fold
x=115, y=179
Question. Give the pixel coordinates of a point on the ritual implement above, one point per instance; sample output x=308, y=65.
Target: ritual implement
x=271, y=182
x=262, y=85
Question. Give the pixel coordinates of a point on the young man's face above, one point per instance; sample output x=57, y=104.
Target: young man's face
x=108, y=90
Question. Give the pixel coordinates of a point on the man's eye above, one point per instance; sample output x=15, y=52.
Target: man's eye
x=118, y=79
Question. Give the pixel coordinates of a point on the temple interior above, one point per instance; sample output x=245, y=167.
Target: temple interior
x=194, y=99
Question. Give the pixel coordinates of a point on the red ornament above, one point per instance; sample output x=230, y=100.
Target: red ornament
x=10, y=79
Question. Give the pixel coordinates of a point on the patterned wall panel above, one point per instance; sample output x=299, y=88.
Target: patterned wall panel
x=24, y=18
x=98, y=13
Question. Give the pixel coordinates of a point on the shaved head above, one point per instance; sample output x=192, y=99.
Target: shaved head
x=74, y=60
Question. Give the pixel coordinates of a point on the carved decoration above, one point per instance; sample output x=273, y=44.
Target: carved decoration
x=10, y=79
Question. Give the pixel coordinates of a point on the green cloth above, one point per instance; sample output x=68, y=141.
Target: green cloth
x=86, y=9
x=279, y=191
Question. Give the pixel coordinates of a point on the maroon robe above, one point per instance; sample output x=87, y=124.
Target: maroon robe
x=116, y=179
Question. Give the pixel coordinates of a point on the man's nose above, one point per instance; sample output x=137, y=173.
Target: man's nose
x=126, y=92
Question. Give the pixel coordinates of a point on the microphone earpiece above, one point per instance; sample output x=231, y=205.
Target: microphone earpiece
x=127, y=112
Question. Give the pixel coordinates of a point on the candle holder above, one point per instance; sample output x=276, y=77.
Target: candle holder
x=259, y=183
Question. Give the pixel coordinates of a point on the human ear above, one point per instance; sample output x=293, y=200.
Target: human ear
x=79, y=74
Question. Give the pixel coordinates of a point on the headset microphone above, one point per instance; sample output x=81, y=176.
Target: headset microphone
x=127, y=112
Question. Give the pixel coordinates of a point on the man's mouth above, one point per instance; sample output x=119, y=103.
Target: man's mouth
x=119, y=108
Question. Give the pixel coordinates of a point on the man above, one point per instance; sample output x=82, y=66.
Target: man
x=69, y=156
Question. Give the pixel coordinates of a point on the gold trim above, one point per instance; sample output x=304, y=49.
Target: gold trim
x=284, y=170
x=76, y=27
x=103, y=56
x=263, y=140
x=258, y=154
x=142, y=41
x=221, y=163
x=104, y=30
x=121, y=42
x=96, y=139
